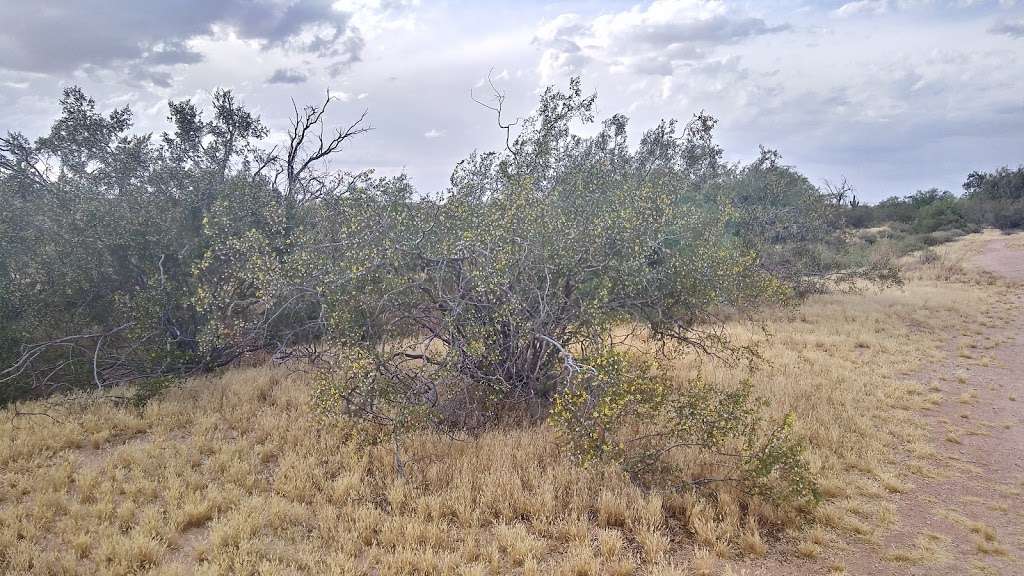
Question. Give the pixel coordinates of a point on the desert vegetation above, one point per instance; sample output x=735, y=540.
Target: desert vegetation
x=582, y=357
x=927, y=218
x=503, y=298
x=237, y=473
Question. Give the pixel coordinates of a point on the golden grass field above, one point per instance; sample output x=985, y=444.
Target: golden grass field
x=235, y=475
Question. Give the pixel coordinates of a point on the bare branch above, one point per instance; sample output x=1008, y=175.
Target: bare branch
x=498, y=108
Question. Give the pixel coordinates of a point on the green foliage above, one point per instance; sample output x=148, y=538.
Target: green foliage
x=996, y=199
x=555, y=246
x=940, y=213
x=621, y=409
x=613, y=391
x=924, y=212
x=913, y=223
x=508, y=295
x=128, y=257
x=796, y=229
x=991, y=200
x=729, y=425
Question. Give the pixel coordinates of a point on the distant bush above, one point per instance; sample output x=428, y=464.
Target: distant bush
x=915, y=222
x=991, y=200
x=942, y=237
x=796, y=228
x=923, y=212
x=996, y=199
x=942, y=214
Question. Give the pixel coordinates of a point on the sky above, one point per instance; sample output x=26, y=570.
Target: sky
x=892, y=95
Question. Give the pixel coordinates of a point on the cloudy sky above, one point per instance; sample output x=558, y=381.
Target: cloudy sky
x=894, y=95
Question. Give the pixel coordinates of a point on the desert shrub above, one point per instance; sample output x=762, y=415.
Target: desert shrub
x=943, y=236
x=859, y=215
x=942, y=213
x=505, y=297
x=621, y=409
x=128, y=257
x=510, y=296
x=1002, y=213
x=895, y=210
x=997, y=198
x=897, y=240
x=869, y=236
x=991, y=199
x=924, y=212
x=149, y=389
x=543, y=254
x=797, y=230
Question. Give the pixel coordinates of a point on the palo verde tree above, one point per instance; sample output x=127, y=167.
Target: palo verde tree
x=131, y=257
x=797, y=230
x=513, y=293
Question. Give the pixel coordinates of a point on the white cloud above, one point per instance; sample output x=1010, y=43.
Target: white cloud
x=433, y=133
x=879, y=7
x=859, y=7
x=648, y=40
x=374, y=18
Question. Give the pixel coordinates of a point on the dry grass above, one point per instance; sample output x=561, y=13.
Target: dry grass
x=982, y=536
x=928, y=548
x=233, y=475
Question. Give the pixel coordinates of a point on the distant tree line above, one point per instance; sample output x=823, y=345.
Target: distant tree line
x=990, y=200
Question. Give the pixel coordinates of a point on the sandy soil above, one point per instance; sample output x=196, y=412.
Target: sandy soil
x=969, y=519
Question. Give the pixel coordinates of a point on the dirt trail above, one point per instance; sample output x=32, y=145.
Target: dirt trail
x=978, y=503
x=969, y=519
x=972, y=516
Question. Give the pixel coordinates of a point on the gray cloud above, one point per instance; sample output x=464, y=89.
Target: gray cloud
x=283, y=76
x=67, y=35
x=159, y=78
x=719, y=29
x=352, y=53
x=170, y=54
x=651, y=41
x=1014, y=29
